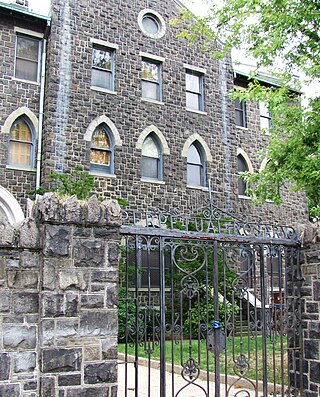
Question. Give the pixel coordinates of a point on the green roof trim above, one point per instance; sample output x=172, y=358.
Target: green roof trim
x=23, y=10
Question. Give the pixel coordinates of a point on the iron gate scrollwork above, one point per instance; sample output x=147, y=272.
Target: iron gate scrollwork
x=208, y=306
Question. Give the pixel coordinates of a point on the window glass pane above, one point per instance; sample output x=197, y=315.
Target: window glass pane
x=242, y=167
x=264, y=111
x=192, y=83
x=27, y=48
x=239, y=118
x=149, y=90
x=150, y=24
x=100, y=157
x=20, y=153
x=100, y=78
x=101, y=59
x=192, y=101
x=265, y=122
x=150, y=148
x=100, y=139
x=194, y=173
x=26, y=70
x=150, y=71
x=149, y=167
x=194, y=155
x=20, y=131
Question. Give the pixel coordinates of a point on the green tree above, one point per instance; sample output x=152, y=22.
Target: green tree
x=273, y=32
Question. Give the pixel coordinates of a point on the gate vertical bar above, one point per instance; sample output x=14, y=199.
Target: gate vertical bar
x=162, y=321
x=217, y=318
x=136, y=359
x=264, y=323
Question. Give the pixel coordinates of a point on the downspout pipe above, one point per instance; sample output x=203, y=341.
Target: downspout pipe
x=41, y=111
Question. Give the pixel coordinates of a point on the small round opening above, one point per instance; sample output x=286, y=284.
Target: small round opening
x=150, y=24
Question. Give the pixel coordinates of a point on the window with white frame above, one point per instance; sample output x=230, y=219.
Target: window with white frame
x=101, y=156
x=27, y=58
x=21, y=144
x=194, y=90
x=265, y=117
x=151, y=160
x=195, y=166
x=242, y=184
x=240, y=113
x=103, y=67
x=151, y=79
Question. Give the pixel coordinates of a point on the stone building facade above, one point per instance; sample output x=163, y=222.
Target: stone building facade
x=125, y=99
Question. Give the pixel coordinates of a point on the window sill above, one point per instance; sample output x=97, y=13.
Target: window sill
x=203, y=188
x=155, y=101
x=105, y=90
x=197, y=111
x=154, y=181
x=26, y=81
x=241, y=196
x=12, y=167
x=241, y=128
x=102, y=174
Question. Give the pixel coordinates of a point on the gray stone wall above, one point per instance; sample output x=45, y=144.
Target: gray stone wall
x=58, y=300
x=311, y=317
x=15, y=94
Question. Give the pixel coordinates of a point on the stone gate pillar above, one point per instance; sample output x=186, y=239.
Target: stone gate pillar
x=78, y=298
x=310, y=292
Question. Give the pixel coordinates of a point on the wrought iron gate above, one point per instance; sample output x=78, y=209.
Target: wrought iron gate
x=208, y=306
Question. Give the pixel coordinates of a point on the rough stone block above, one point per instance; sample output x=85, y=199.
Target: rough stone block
x=32, y=385
x=12, y=390
x=21, y=337
x=47, y=387
x=30, y=259
x=24, y=362
x=72, y=211
x=57, y=241
x=73, y=279
x=65, y=330
x=109, y=348
x=47, y=332
x=92, y=353
x=315, y=330
x=6, y=233
x=61, y=360
x=4, y=366
x=23, y=279
x=93, y=323
x=89, y=253
x=93, y=301
x=103, y=276
x=315, y=372
x=112, y=296
x=113, y=253
x=49, y=274
x=112, y=212
x=89, y=392
x=316, y=291
x=100, y=373
x=57, y=305
x=94, y=210
x=29, y=234
x=69, y=380
x=48, y=207
x=26, y=302
x=5, y=299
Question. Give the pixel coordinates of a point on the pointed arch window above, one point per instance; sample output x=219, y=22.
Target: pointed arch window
x=21, y=144
x=195, y=166
x=151, y=160
x=102, y=150
x=242, y=184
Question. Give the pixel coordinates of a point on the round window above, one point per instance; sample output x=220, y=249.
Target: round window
x=151, y=23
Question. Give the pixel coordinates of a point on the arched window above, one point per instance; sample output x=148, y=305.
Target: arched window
x=21, y=143
x=195, y=166
x=151, y=160
x=101, y=156
x=242, y=167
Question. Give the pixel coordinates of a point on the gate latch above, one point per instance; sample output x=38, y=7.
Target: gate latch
x=216, y=342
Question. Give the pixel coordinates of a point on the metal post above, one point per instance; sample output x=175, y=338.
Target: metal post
x=163, y=322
